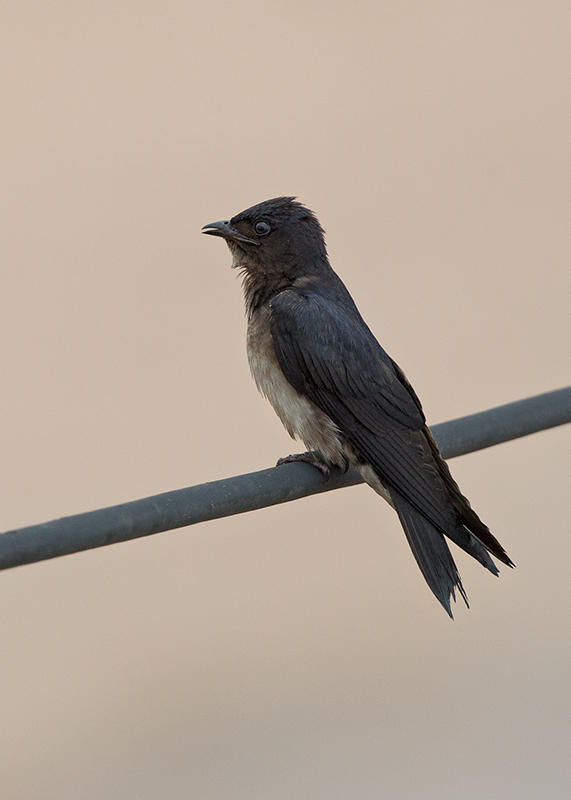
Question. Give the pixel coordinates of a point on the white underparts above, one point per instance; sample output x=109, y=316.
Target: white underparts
x=300, y=417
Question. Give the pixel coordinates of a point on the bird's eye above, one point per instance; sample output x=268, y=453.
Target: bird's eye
x=262, y=228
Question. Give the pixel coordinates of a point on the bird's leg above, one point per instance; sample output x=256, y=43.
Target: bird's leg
x=311, y=457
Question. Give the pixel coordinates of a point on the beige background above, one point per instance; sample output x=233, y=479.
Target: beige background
x=295, y=652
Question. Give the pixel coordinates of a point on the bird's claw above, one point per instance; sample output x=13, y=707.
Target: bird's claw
x=310, y=457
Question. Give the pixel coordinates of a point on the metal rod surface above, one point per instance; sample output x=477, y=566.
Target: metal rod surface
x=222, y=498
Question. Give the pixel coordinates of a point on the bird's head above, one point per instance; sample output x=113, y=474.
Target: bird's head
x=276, y=238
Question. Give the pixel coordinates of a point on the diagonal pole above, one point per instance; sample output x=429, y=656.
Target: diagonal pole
x=241, y=493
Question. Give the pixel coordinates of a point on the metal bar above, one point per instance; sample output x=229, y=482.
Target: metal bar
x=268, y=487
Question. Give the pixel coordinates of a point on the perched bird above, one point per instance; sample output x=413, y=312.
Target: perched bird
x=334, y=387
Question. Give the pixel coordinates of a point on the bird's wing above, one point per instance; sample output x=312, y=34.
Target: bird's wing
x=329, y=355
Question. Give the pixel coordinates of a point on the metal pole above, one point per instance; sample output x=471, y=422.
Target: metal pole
x=268, y=487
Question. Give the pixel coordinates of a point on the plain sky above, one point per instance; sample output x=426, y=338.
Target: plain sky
x=294, y=652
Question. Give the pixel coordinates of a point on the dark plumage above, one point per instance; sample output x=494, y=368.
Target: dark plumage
x=334, y=387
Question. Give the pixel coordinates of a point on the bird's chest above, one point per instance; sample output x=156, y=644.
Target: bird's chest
x=291, y=407
x=300, y=417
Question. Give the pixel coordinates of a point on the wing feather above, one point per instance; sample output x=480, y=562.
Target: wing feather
x=340, y=366
x=328, y=353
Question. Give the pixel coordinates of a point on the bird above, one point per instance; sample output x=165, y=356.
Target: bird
x=337, y=390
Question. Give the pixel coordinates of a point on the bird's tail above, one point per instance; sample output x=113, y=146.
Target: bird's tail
x=431, y=553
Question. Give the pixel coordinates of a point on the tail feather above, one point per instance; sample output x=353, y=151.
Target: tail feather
x=431, y=553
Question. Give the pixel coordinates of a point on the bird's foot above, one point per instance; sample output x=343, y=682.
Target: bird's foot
x=311, y=457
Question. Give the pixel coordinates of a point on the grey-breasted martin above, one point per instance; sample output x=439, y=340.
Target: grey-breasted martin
x=335, y=388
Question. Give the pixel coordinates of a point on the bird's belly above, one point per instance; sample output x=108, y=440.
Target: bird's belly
x=301, y=418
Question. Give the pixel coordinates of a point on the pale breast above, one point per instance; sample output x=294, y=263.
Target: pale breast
x=300, y=417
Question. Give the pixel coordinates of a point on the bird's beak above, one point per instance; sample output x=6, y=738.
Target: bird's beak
x=224, y=229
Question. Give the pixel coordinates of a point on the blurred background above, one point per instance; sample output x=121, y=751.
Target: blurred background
x=294, y=652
